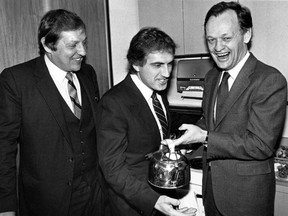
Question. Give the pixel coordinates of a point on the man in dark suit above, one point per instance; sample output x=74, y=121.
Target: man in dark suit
x=240, y=137
x=129, y=128
x=53, y=120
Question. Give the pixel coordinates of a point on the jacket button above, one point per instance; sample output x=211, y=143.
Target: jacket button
x=69, y=183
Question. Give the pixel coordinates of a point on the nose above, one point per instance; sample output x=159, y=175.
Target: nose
x=166, y=71
x=218, y=45
x=81, y=49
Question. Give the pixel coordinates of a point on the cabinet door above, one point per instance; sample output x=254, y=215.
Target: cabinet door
x=194, y=16
x=166, y=15
x=281, y=199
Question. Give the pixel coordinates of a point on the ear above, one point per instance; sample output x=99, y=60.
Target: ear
x=47, y=48
x=136, y=68
x=247, y=36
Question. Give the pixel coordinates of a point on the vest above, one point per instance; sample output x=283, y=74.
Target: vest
x=83, y=142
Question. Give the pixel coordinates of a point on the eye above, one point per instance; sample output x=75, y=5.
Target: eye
x=227, y=39
x=157, y=65
x=72, y=46
x=85, y=42
x=170, y=65
x=210, y=40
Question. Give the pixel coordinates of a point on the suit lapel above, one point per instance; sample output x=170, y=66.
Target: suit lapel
x=139, y=107
x=211, y=92
x=49, y=92
x=241, y=83
x=87, y=86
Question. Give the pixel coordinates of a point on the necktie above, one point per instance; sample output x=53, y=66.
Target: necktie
x=222, y=93
x=160, y=114
x=73, y=95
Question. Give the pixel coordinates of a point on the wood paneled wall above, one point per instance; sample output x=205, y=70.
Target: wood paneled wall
x=19, y=21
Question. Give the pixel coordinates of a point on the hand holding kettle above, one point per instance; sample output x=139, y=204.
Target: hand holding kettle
x=192, y=134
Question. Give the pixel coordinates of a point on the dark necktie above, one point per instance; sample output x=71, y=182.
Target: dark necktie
x=222, y=94
x=73, y=95
x=160, y=114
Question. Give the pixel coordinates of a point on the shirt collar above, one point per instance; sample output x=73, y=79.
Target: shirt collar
x=145, y=90
x=235, y=71
x=55, y=71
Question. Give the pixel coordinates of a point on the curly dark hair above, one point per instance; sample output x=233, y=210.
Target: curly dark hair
x=148, y=40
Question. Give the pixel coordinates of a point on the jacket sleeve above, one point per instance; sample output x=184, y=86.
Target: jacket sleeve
x=10, y=120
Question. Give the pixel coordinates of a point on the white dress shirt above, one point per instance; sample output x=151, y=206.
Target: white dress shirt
x=61, y=82
x=147, y=93
x=233, y=75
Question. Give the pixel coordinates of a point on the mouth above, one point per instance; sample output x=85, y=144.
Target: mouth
x=79, y=60
x=163, y=81
x=222, y=56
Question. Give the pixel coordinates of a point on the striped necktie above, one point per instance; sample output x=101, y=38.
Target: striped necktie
x=160, y=114
x=73, y=95
x=222, y=94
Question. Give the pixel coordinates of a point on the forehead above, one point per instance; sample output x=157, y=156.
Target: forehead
x=73, y=35
x=224, y=23
x=159, y=56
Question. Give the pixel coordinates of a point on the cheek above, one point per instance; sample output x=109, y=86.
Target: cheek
x=210, y=47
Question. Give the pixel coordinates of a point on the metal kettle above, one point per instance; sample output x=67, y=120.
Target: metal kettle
x=168, y=169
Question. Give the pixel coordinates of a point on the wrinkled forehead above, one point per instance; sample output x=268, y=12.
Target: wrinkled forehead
x=164, y=56
x=224, y=23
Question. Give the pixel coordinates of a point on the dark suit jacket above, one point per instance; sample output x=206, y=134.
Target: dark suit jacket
x=242, y=143
x=31, y=114
x=127, y=132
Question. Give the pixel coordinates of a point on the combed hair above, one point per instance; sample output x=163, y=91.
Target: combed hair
x=53, y=23
x=148, y=40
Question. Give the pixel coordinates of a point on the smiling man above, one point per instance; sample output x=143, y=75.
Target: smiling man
x=129, y=128
x=48, y=106
x=244, y=106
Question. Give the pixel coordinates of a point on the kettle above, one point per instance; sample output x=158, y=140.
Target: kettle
x=168, y=169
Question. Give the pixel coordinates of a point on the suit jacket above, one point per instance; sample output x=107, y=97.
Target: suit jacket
x=127, y=132
x=31, y=114
x=242, y=142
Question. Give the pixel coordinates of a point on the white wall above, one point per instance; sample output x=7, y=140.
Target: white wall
x=124, y=24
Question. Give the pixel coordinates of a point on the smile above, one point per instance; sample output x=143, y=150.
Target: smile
x=163, y=81
x=220, y=55
x=78, y=59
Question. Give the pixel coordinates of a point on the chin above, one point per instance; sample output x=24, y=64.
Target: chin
x=162, y=88
x=222, y=65
x=75, y=69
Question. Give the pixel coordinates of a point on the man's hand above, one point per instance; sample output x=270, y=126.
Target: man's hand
x=165, y=205
x=193, y=134
x=7, y=214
